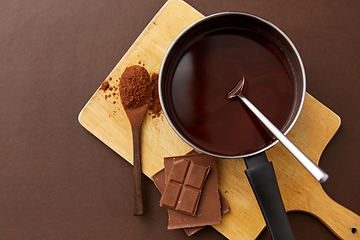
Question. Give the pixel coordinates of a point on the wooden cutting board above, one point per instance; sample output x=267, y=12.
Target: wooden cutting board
x=105, y=118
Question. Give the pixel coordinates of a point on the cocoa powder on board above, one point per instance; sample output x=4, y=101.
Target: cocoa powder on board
x=155, y=105
x=104, y=86
x=135, y=87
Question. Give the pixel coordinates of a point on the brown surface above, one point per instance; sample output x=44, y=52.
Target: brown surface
x=59, y=182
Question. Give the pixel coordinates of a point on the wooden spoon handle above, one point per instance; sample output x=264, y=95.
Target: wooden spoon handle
x=138, y=189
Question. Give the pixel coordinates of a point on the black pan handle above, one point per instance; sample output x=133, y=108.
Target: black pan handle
x=261, y=175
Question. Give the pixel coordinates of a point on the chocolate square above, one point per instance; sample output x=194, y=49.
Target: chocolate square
x=171, y=195
x=179, y=170
x=188, y=200
x=196, y=175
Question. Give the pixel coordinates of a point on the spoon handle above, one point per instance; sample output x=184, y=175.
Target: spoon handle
x=317, y=172
x=138, y=189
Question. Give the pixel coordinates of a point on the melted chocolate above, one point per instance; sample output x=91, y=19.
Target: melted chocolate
x=211, y=67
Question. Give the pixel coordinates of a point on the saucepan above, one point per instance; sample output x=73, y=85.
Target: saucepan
x=203, y=64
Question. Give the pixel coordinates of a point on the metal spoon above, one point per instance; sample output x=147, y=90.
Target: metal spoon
x=318, y=173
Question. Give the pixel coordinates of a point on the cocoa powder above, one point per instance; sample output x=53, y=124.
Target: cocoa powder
x=104, y=86
x=155, y=105
x=135, y=87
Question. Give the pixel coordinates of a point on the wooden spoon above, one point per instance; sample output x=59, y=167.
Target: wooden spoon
x=135, y=93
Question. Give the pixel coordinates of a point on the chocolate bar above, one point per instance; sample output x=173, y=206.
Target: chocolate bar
x=159, y=181
x=183, y=189
x=209, y=208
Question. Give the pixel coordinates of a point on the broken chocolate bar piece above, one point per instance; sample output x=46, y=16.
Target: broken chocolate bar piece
x=209, y=208
x=159, y=181
x=183, y=188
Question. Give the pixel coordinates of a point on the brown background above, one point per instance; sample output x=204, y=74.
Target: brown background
x=57, y=181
